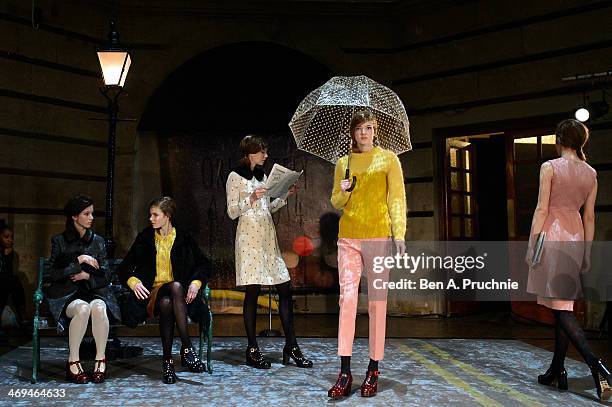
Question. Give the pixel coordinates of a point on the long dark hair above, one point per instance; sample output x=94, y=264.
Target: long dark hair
x=73, y=207
x=573, y=134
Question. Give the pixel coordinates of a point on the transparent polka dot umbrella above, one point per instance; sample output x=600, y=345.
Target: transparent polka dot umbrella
x=321, y=122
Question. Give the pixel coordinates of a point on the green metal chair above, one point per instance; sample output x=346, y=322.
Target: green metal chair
x=206, y=329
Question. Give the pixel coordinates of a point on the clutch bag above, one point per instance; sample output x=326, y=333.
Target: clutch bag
x=539, y=247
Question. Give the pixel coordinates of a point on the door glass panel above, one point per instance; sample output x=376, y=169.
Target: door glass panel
x=468, y=205
x=456, y=227
x=456, y=204
x=453, y=157
x=468, y=228
x=455, y=181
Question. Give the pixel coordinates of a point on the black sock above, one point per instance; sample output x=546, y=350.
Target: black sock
x=373, y=365
x=345, y=364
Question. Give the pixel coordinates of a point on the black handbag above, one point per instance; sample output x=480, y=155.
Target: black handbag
x=133, y=310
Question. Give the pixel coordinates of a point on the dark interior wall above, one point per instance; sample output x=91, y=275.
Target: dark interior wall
x=452, y=63
x=202, y=111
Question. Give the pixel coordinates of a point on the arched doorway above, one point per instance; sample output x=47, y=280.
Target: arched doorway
x=200, y=113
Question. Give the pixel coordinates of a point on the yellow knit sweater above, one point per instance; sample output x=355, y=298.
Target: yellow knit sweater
x=163, y=264
x=377, y=205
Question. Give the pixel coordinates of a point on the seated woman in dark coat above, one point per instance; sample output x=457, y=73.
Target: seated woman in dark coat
x=165, y=269
x=80, y=276
x=10, y=284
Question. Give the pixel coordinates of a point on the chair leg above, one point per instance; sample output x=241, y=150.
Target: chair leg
x=209, y=343
x=201, y=348
x=35, y=350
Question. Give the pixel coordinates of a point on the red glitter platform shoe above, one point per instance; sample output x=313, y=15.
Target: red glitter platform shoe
x=342, y=388
x=369, y=387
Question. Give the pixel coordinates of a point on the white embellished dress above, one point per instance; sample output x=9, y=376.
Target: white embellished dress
x=258, y=256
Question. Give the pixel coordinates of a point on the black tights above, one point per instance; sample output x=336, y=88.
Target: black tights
x=172, y=308
x=285, y=305
x=567, y=329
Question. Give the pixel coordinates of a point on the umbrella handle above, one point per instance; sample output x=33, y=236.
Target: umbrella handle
x=353, y=183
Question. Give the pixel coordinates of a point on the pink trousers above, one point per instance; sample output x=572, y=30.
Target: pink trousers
x=353, y=256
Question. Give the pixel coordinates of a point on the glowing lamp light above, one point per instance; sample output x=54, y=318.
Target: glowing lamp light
x=115, y=65
x=582, y=114
x=115, y=60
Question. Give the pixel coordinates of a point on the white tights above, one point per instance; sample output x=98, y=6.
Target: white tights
x=79, y=312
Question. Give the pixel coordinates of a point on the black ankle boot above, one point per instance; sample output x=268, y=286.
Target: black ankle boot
x=254, y=358
x=191, y=360
x=168, y=374
x=603, y=380
x=295, y=353
x=553, y=378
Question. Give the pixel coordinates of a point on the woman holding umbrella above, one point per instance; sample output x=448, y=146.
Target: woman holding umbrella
x=373, y=211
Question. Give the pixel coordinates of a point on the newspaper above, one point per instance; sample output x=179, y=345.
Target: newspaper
x=280, y=180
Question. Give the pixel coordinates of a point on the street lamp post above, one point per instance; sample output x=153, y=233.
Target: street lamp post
x=115, y=62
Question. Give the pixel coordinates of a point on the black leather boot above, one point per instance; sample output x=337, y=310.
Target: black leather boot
x=191, y=360
x=254, y=358
x=295, y=353
x=168, y=374
x=554, y=378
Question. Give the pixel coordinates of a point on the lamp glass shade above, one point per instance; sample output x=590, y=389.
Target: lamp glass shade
x=115, y=65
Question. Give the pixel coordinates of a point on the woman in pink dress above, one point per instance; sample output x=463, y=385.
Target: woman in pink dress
x=566, y=184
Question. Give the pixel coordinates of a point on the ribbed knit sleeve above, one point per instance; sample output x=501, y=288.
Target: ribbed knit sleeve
x=339, y=197
x=396, y=197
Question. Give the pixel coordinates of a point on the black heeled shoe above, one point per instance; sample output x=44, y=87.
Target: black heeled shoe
x=295, y=353
x=191, y=360
x=603, y=380
x=554, y=378
x=255, y=359
x=168, y=374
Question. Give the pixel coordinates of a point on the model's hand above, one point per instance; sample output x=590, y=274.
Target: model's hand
x=400, y=247
x=258, y=193
x=141, y=291
x=586, y=264
x=529, y=254
x=345, y=184
x=191, y=293
x=79, y=276
x=87, y=259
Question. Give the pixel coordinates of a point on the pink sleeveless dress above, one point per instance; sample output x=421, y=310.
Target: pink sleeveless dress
x=556, y=279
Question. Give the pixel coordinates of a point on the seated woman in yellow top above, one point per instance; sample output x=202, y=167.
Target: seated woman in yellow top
x=161, y=263
x=373, y=211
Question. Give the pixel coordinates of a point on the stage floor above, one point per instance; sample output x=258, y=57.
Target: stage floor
x=415, y=372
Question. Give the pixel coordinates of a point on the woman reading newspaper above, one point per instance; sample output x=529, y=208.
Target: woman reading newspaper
x=258, y=257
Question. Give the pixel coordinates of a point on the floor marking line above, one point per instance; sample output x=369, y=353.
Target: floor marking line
x=451, y=378
x=480, y=375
